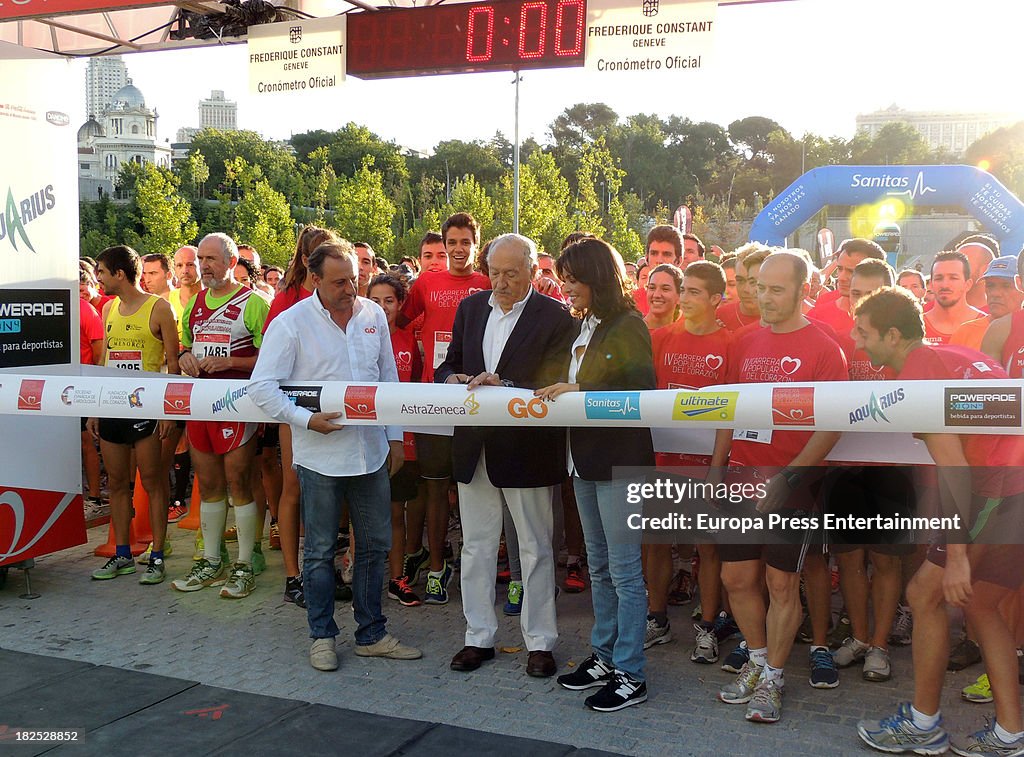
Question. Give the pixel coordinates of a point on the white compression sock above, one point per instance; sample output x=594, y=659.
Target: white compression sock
x=246, y=518
x=213, y=516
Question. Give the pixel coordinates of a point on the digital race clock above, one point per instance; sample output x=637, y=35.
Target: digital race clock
x=504, y=35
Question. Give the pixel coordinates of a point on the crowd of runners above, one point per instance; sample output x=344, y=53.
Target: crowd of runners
x=542, y=510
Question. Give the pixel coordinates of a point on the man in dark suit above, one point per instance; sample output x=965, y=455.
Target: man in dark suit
x=511, y=336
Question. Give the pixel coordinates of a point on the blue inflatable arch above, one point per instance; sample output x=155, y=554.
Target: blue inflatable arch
x=978, y=192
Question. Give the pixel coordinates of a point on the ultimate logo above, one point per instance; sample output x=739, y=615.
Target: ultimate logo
x=19, y=214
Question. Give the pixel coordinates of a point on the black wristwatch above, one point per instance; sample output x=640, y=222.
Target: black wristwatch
x=793, y=477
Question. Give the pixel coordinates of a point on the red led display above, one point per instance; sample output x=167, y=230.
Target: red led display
x=504, y=35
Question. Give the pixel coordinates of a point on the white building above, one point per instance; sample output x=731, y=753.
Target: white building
x=954, y=132
x=124, y=132
x=104, y=77
x=217, y=113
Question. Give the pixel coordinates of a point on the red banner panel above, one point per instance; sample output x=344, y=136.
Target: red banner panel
x=10, y=9
x=35, y=523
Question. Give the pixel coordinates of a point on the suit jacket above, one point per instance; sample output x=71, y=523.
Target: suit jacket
x=618, y=358
x=535, y=355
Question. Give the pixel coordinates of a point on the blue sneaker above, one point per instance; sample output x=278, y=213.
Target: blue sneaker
x=736, y=659
x=437, y=586
x=824, y=673
x=897, y=733
x=514, y=603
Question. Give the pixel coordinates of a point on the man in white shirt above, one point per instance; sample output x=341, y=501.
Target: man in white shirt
x=335, y=335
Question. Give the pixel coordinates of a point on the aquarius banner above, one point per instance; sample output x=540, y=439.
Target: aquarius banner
x=40, y=454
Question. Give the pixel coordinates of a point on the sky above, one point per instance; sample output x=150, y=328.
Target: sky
x=811, y=65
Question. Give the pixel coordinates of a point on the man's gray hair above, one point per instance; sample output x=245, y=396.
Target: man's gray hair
x=227, y=244
x=523, y=244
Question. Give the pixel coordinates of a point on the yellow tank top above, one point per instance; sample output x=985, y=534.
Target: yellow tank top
x=131, y=345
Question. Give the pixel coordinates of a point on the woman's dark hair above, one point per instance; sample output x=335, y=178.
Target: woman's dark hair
x=309, y=239
x=596, y=263
x=392, y=281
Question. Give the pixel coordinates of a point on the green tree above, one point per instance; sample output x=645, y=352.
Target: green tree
x=1002, y=153
x=321, y=179
x=469, y=196
x=274, y=159
x=543, y=202
x=193, y=174
x=165, y=215
x=263, y=219
x=362, y=209
x=895, y=144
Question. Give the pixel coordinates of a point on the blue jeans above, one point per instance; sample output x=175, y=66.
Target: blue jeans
x=369, y=506
x=616, y=575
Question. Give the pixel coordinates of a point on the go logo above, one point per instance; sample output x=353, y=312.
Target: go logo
x=520, y=408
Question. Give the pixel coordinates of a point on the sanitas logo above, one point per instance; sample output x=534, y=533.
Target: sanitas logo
x=227, y=402
x=619, y=406
x=897, y=185
x=20, y=213
x=875, y=407
x=705, y=406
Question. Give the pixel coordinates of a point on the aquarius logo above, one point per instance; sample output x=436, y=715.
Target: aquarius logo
x=18, y=215
x=227, y=402
x=471, y=404
x=875, y=407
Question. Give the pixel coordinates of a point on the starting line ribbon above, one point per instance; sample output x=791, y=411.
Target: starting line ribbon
x=888, y=406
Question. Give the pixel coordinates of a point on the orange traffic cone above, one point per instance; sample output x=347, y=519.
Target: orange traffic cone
x=109, y=548
x=191, y=521
x=140, y=523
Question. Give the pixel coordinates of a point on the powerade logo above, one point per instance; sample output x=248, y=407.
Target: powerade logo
x=10, y=325
x=875, y=407
x=304, y=396
x=20, y=212
x=227, y=402
x=616, y=406
x=705, y=406
x=983, y=406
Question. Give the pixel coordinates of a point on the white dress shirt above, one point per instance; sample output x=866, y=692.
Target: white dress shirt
x=590, y=324
x=304, y=344
x=498, y=329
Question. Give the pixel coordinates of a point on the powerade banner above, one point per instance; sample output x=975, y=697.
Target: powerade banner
x=34, y=327
x=977, y=192
x=40, y=494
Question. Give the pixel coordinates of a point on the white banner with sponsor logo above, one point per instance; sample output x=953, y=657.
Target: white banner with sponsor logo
x=649, y=36
x=888, y=412
x=40, y=457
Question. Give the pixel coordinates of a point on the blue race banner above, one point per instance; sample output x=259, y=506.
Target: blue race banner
x=977, y=192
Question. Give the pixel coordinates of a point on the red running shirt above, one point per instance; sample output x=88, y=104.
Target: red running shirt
x=1013, y=348
x=689, y=361
x=729, y=315
x=996, y=457
x=410, y=368
x=90, y=328
x=805, y=355
x=437, y=297
x=284, y=300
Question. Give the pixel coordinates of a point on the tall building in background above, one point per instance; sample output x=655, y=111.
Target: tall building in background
x=104, y=77
x=954, y=132
x=217, y=113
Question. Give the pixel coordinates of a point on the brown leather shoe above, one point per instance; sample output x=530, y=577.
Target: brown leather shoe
x=471, y=658
x=541, y=665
